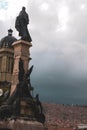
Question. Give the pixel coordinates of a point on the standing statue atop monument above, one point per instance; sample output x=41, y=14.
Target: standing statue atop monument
x=21, y=23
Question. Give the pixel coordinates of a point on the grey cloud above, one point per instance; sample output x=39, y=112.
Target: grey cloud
x=60, y=70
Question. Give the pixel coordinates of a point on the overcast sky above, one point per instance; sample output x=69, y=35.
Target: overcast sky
x=59, y=32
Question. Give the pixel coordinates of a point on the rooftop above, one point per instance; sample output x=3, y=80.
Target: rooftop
x=7, y=40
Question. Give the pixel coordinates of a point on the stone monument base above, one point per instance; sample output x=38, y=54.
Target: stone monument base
x=21, y=125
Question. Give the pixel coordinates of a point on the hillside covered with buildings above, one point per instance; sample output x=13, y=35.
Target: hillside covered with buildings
x=65, y=116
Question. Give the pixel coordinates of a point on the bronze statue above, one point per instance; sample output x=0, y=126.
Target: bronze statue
x=21, y=25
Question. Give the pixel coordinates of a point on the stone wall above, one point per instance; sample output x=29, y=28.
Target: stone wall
x=22, y=125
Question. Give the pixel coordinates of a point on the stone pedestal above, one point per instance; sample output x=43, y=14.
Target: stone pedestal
x=22, y=125
x=26, y=109
x=21, y=50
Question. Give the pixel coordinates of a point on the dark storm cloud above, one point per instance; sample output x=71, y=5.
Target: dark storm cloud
x=60, y=57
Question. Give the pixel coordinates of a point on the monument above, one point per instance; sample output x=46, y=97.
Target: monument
x=21, y=105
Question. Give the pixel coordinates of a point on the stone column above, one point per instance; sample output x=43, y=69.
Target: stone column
x=21, y=50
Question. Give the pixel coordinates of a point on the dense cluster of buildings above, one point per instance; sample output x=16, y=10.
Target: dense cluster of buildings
x=65, y=116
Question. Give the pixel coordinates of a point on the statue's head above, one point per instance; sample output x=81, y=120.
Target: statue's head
x=23, y=8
